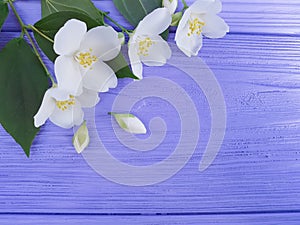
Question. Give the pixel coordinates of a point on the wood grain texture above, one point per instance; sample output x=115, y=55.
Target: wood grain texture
x=254, y=219
x=249, y=17
x=256, y=169
x=255, y=179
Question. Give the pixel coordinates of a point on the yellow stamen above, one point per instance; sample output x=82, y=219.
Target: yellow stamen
x=86, y=59
x=64, y=105
x=144, y=46
x=195, y=27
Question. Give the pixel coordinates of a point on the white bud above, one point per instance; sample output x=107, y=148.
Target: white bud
x=121, y=37
x=130, y=123
x=81, y=138
x=171, y=5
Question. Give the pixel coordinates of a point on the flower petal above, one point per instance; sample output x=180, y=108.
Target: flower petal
x=202, y=6
x=68, y=118
x=215, y=26
x=88, y=98
x=46, y=109
x=136, y=65
x=171, y=5
x=158, y=53
x=68, y=75
x=155, y=23
x=67, y=40
x=100, y=78
x=189, y=45
x=183, y=24
x=103, y=41
x=216, y=7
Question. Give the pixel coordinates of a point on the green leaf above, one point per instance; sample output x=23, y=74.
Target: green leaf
x=82, y=6
x=135, y=10
x=165, y=34
x=50, y=25
x=3, y=12
x=23, y=82
x=121, y=68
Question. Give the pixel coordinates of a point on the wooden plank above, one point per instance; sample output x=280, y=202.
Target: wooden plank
x=267, y=16
x=253, y=219
x=256, y=170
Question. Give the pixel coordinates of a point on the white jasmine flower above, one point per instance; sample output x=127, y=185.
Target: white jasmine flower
x=64, y=109
x=81, y=55
x=130, y=123
x=171, y=5
x=145, y=45
x=200, y=19
x=81, y=138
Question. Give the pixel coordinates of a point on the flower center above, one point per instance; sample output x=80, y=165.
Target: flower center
x=64, y=105
x=144, y=46
x=86, y=59
x=195, y=27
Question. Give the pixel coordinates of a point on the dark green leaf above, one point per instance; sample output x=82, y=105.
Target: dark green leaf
x=52, y=23
x=82, y=6
x=121, y=68
x=165, y=35
x=23, y=83
x=3, y=12
x=135, y=10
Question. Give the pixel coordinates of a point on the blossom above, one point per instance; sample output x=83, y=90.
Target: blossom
x=146, y=45
x=64, y=109
x=200, y=18
x=81, y=57
x=81, y=138
x=130, y=123
x=171, y=5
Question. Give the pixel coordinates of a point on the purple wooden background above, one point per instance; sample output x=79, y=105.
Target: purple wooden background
x=255, y=179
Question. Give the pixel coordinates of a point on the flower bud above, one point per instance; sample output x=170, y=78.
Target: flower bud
x=130, y=123
x=176, y=19
x=121, y=37
x=81, y=138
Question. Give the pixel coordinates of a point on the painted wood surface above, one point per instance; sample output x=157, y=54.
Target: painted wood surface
x=255, y=219
x=255, y=178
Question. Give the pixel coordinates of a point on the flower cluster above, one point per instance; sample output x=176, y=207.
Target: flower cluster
x=81, y=71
